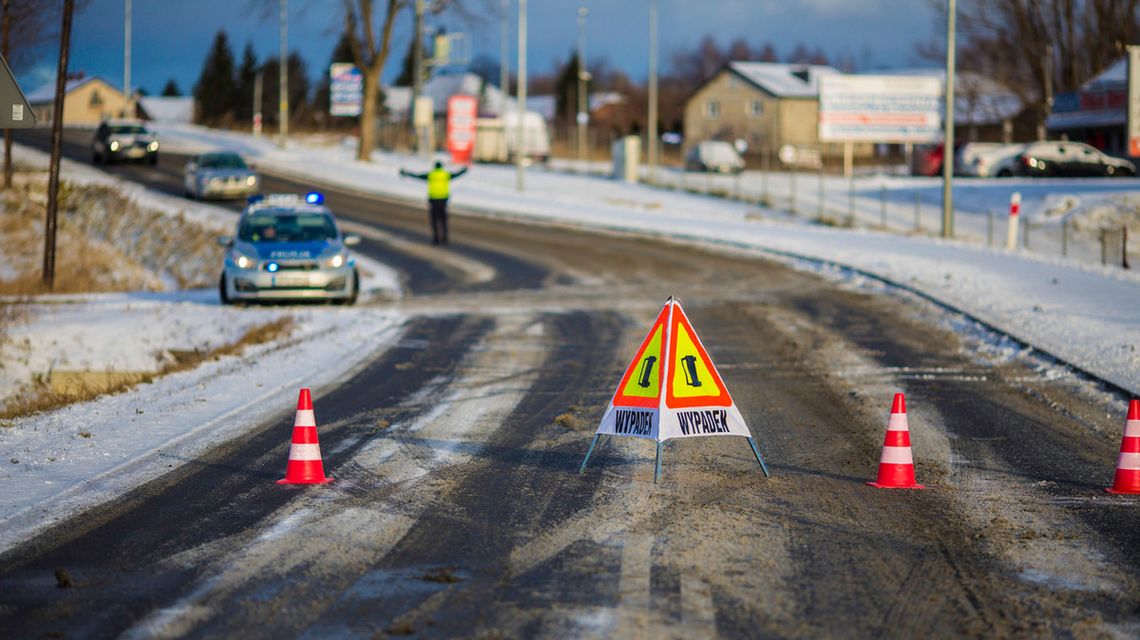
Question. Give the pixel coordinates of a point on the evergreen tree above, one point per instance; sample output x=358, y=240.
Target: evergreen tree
x=215, y=91
x=171, y=89
x=407, y=67
x=298, y=89
x=246, y=79
x=566, y=92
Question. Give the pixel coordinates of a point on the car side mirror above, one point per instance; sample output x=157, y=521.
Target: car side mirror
x=225, y=241
x=351, y=240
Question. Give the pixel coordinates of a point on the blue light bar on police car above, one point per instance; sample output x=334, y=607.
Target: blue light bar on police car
x=254, y=199
x=314, y=197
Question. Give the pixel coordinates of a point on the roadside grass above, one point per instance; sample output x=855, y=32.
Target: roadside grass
x=42, y=396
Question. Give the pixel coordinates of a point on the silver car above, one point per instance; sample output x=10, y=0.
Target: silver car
x=289, y=248
x=219, y=175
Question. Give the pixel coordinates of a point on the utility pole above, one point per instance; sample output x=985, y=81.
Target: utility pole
x=127, y=51
x=583, y=76
x=56, y=143
x=1048, y=107
x=520, y=134
x=283, y=78
x=5, y=27
x=948, y=137
x=504, y=53
x=652, y=136
x=258, y=80
x=418, y=76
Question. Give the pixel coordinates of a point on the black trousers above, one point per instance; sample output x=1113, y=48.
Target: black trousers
x=438, y=209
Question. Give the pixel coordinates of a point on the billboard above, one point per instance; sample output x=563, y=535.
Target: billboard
x=461, y=114
x=346, y=89
x=880, y=108
x=1134, y=101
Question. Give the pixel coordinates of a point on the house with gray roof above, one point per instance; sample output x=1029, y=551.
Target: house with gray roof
x=765, y=104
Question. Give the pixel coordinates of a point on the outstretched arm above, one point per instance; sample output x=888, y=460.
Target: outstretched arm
x=409, y=174
x=459, y=173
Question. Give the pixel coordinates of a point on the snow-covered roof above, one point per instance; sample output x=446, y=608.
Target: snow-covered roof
x=46, y=93
x=1112, y=77
x=441, y=87
x=604, y=98
x=168, y=109
x=784, y=80
x=978, y=99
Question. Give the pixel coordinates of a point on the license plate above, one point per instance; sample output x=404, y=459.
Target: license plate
x=290, y=283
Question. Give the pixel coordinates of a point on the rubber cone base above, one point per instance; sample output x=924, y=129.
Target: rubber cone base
x=895, y=486
x=314, y=481
x=1116, y=492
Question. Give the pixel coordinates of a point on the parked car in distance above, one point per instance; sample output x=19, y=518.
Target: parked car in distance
x=123, y=140
x=220, y=174
x=1070, y=159
x=714, y=155
x=989, y=159
x=288, y=248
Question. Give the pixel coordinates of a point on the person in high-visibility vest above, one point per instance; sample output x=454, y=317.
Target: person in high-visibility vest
x=439, y=189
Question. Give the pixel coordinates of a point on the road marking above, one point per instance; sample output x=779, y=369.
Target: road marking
x=697, y=610
x=634, y=615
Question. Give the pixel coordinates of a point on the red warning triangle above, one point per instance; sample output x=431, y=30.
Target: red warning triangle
x=641, y=384
x=693, y=379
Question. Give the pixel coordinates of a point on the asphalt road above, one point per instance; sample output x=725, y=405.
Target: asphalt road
x=458, y=510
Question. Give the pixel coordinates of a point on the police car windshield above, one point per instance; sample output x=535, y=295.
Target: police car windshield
x=287, y=227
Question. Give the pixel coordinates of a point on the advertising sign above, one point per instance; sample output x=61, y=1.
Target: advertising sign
x=1134, y=101
x=880, y=109
x=346, y=89
x=461, y=114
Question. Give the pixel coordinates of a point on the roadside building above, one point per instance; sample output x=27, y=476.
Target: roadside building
x=984, y=109
x=167, y=109
x=1097, y=113
x=765, y=104
x=88, y=100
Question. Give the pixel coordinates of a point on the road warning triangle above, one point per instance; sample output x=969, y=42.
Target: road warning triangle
x=671, y=389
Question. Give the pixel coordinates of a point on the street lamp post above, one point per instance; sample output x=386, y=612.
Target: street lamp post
x=127, y=50
x=283, y=78
x=652, y=130
x=948, y=138
x=504, y=53
x=583, y=76
x=520, y=133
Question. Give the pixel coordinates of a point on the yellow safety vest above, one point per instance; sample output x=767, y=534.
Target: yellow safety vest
x=439, y=184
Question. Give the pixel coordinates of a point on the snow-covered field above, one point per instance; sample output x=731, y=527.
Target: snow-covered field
x=1083, y=314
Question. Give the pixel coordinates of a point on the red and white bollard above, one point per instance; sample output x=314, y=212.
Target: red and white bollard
x=1014, y=214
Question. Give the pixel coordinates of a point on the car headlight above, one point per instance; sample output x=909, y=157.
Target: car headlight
x=114, y=146
x=251, y=180
x=337, y=261
x=153, y=146
x=243, y=261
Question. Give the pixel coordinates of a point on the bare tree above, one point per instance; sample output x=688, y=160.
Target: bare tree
x=1029, y=45
x=370, y=53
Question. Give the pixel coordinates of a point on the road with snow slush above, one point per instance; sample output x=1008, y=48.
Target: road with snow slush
x=458, y=509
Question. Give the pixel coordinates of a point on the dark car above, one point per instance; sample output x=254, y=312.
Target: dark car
x=1071, y=159
x=124, y=140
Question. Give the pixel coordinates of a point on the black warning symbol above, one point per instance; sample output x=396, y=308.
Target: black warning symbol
x=646, y=371
x=690, y=369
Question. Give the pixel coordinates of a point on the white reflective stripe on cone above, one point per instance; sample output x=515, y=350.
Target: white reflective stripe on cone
x=896, y=455
x=304, y=451
x=1132, y=429
x=1129, y=462
x=897, y=422
x=305, y=418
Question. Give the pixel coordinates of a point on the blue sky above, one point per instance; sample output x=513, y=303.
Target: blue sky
x=171, y=38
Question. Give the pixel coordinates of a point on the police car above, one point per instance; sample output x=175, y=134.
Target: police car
x=288, y=248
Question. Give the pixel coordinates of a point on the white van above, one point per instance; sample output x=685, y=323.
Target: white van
x=497, y=139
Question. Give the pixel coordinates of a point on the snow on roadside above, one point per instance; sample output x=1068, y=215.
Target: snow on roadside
x=1085, y=315
x=57, y=464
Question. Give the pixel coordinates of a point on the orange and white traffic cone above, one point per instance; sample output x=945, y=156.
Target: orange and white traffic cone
x=1128, y=464
x=305, y=465
x=896, y=466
